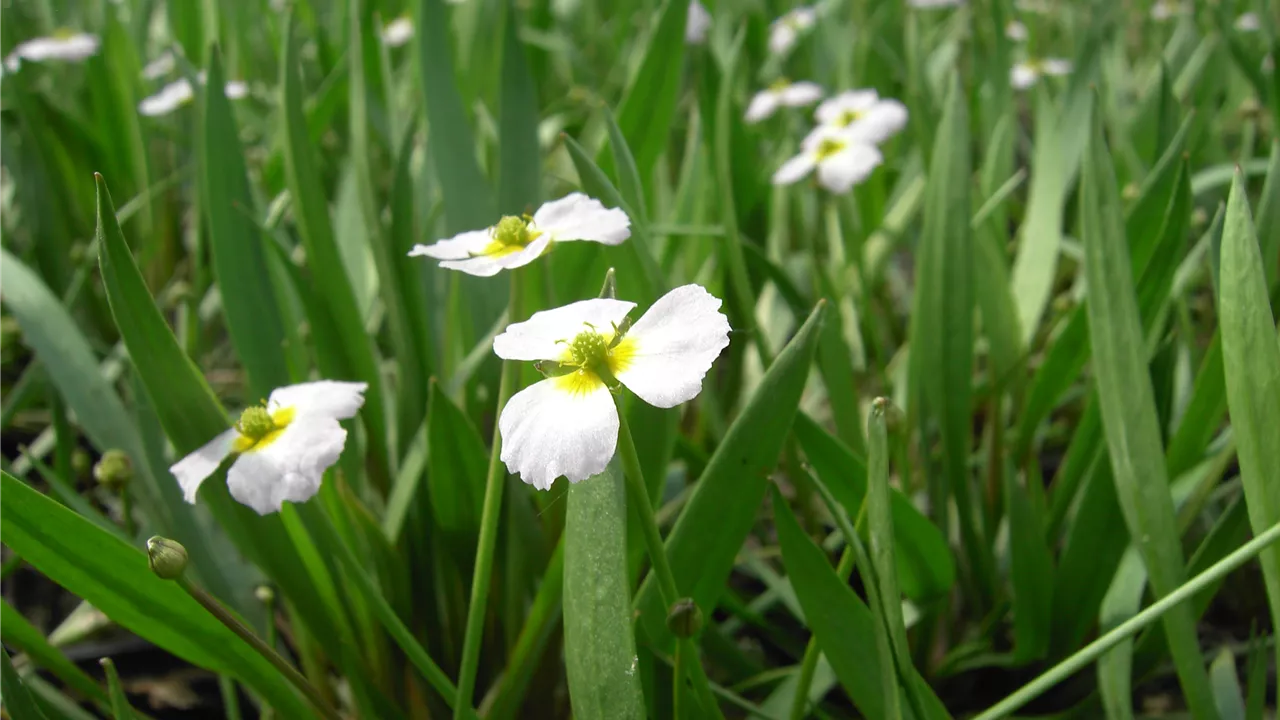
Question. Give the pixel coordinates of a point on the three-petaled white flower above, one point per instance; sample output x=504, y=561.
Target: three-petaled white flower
x=784, y=31
x=782, y=93
x=567, y=424
x=64, y=45
x=696, y=24
x=861, y=115
x=517, y=241
x=841, y=160
x=397, y=32
x=179, y=93
x=283, y=448
x=1028, y=72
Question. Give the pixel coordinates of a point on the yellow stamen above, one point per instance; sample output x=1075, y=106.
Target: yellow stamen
x=828, y=147
x=258, y=428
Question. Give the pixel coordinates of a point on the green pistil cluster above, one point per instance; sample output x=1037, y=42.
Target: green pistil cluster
x=512, y=231
x=255, y=423
x=828, y=147
x=589, y=350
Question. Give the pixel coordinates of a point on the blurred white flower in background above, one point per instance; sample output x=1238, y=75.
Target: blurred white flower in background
x=1249, y=22
x=784, y=31
x=840, y=161
x=65, y=46
x=282, y=448
x=567, y=424
x=1015, y=31
x=160, y=67
x=179, y=93
x=862, y=115
x=930, y=4
x=1164, y=10
x=517, y=241
x=398, y=32
x=697, y=24
x=1028, y=72
x=1039, y=7
x=782, y=93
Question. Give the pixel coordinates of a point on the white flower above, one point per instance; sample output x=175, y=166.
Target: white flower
x=397, y=32
x=1164, y=10
x=66, y=45
x=158, y=68
x=235, y=89
x=1028, y=73
x=516, y=241
x=567, y=424
x=179, y=93
x=862, y=115
x=841, y=161
x=783, y=92
x=784, y=31
x=283, y=449
x=1248, y=22
x=697, y=24
x=930, y=4
x=1015, y=31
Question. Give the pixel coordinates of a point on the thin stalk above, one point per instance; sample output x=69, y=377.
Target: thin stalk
x=489, y=517
x=677, y=683
x=290, y=672
x=638, y=498
x=809, y=665
x=1093, y=650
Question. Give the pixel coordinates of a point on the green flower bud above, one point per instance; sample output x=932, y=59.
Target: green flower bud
x=264, y=594
x=684, y=619
x=166, y=557
x=81, y=463
x=114, y=470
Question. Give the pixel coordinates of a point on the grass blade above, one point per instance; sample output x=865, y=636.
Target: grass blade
x=649, y=103
x=17, y=698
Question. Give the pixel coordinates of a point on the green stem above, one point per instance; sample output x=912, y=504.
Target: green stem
x=638, y=498
x=1093, y=650
x=489, y=517
x=290, y=672
x=809, y=665
x=677, y=683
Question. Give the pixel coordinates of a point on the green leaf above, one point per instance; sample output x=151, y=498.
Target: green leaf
x=239, y=263
x=599, y=647
x=519, y=158
x=456, y=466
x=1251, y=363
x=17, y=699
x=1030, y=570
x=21, y=635
x=1128, y=408
x=119, y=703
x=114, y=578
x=719, y=514
x=649, y=103
x=1226, y=686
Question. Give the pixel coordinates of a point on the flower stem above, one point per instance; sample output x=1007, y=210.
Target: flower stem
x=638, y=498
x=290, y=672
x=489, y=517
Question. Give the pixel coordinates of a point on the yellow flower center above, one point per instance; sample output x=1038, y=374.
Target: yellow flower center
x=780, y=84
x=848, y=117
x=259, y=427
x=597, y=357
x=828, y=147
x=511, y=235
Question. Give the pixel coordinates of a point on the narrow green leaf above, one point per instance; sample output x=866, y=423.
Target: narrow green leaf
x=1226, y=686
x=1251, y=364
x=625, y=169
x=1031, y=572
x=1128, y=408
x=1269, y=215
x=119, y=703
x=519, y=158
x=719, y=514
x=599, y=647
x=456, y=465
x=17, y=698
x=649, y=103
x=21, y=635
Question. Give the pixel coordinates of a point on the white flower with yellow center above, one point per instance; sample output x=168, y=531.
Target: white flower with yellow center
x=282, y=448
x=861, y=115
x=784, y=31
x=64, y=45
x=841, y=161
x=782, y=93
x=567, y=424
x=517, y=241
x=1028, y=72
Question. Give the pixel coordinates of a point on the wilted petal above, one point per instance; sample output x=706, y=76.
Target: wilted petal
x=578, y=217
x=538, y=337
x=673, y=345
x=323, y=398
x=560, y=426
x=290, y=467
x=194, y=468
x=847, y=168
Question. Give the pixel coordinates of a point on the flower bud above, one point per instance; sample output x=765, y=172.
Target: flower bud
x=684, y=619
x=166, y=557
x=264, y=594
x=114, y=470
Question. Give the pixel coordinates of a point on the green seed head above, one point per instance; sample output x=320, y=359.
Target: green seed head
x=255, y=423
x=684, y=620
x=588, y=349
x=512, y=230
x=114, y=470
x=166, y=557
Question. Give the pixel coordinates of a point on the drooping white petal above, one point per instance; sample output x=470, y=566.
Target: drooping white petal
x=397, y=32
x=458, y=247
x=782, y=37
x=697, y=24
x=675, y=343
x=537, y=338
x=578, y=217
x=847, y=168
x=490, y=265
x=880, y=122
x=290, y=467
x=801, y=93
x=192, y=470
x=763, y=104
x=559, y=427
x=323, y=398
x=833, y=109
x=1056, y=66
x=1023, y=76
x=794, y=169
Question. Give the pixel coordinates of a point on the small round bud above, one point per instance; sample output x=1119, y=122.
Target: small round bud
x=264, y=594
x=77, y=252
x=1199, y=217
x=684, y=620
x=166, y=557
x=255, y=423
x=1130, y=192
x=114, y=470
x=81, y=463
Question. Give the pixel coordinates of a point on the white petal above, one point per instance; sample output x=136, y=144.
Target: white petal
x=397, y=32
x=931, y=4
x=235, y=89
x=832, y=109
x=675, y=343
x=1023, y=76
x=762, y=105
x=882, y=121
x=781, y=38
x=847, y=168
x=158, y=68
x=1056, y=66
x=170, y=98
x=194, y=468
x=801, y=94
x=578, y=217
x=1248, y=22
x=536, y=338
x=1015, y=31
x=549, y=430
x=794, y=169
x=71, y=48
x=490, y=265
x=697, y=24
x=458, y=247
x=290, y=468
x=323, y=398
x=804, y=17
